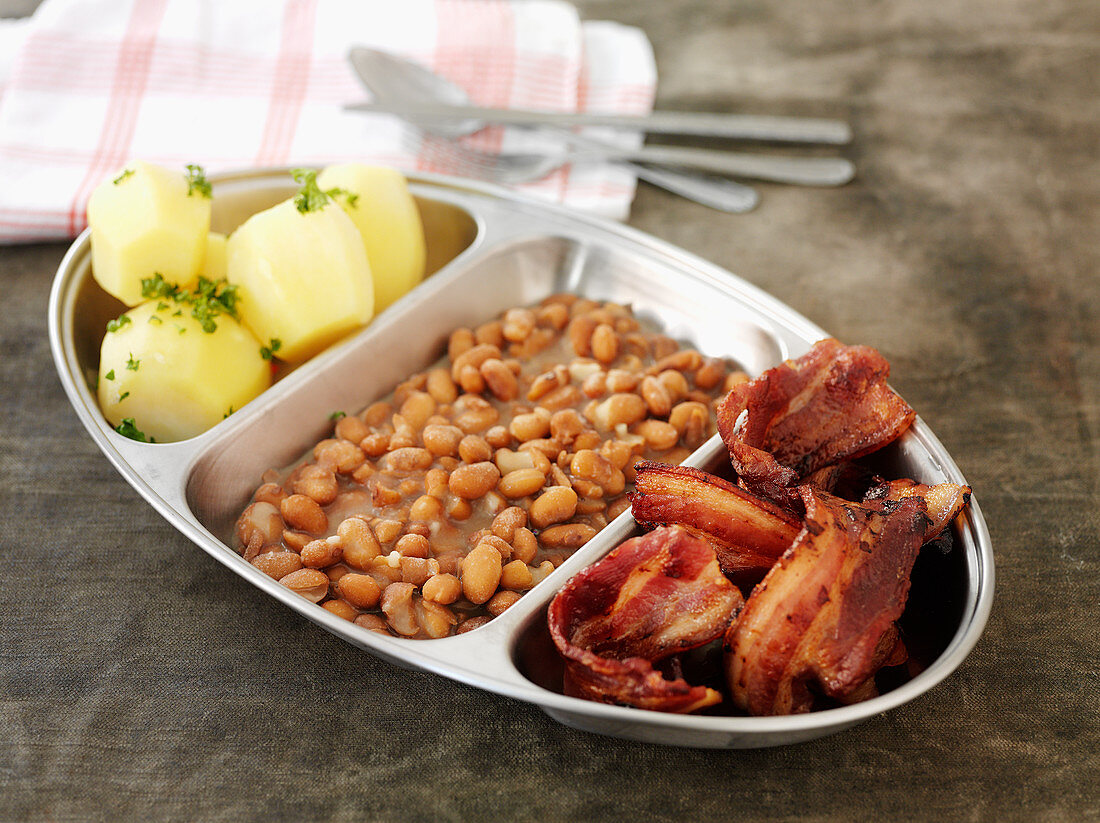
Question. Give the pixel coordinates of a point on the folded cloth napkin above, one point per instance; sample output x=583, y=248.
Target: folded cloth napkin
x=91, y=84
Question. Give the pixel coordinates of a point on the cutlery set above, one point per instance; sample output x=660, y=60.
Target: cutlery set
x=441, y=113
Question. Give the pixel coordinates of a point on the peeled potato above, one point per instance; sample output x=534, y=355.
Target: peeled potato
x=303, y=278
x=213, y=264
x=174, y=379
x=143, y=222
x=386, y=216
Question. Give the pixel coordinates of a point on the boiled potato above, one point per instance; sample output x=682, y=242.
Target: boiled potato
x=387, y=218
x=143, y=221
x=302, y=277
x=174, y=380
x=213, y=264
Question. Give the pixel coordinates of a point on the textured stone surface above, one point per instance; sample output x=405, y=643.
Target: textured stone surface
x=138, y=678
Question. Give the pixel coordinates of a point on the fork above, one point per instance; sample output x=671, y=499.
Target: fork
x=464, y=161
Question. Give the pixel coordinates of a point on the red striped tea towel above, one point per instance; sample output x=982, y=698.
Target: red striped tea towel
x=89, y=84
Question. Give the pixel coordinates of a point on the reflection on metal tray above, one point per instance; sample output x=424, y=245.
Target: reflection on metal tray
x=488, y=251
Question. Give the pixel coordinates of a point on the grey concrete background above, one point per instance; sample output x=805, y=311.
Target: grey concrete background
x=139, y=679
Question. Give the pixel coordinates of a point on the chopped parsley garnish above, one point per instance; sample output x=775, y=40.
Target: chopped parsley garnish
x=208, y=300
x=132, y=364
x=123, y=396
x=110, y=375
x=268, y=351
x=227, y=413
x=197, y=182
x=128, y=428
x=336, y=415
x=311, y=197
x=154, y=319
x=123, y=176
x=115, y=325
x=157, y=286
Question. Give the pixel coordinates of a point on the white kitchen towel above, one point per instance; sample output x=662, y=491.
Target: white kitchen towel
x=87, y=85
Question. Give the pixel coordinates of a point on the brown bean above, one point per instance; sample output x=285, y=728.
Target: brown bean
x=351, y=428
x=417, y=570
x=309, y=583
x=375, y=445
x=435, y=483
x=303, y=513
x=442, y=440
x=426, y=508
x=387, y=530
x=407, y=459
x=524, y=545
x=587, y=439
x=710, y=374
x=595, y=385
x=605, y=343
x=500, y=602
x=470, y=380
x=383, y=496
x=516, y=576
x=531, y=426
x=317, y=482
x=413, y=545
x=376, y=414
x=435, y=619
x=498, y=437
x=417, y=408
x=500, y=380
x=473, y=480
x=460, y=342
x=474, y=357
x=490, y=333
x=475, y=417
x=474, y=449
x=459, y=509
x=481, y=573
x=656, y=396
x=441, y=386
x=556, y=316
x=733, y=380
x=340, y=609
x=277, y=564
x=562, y=398
x=397, y=605
x=617, y=507
x=373, y=623
x=360, y=590
x=472, y=623
x=568, y=536
x=339, y=455
x=442, y=588
x=521, y=483
x=271, y=493
x=504, y=525
x=621, y=380
x=260, y=522
x=295, y=541
x=543, y=384
x=685, y=360
x=586, y=489
x=580, y=334
x=621, y=408
x=518, y=323
x=554, y=505
x=660, y=436
x=318, y=554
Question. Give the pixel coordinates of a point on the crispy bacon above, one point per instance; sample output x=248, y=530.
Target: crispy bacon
x=652, y=597
x=942, y=502
x=748, y=533
x=829, y=405
x=824, y=616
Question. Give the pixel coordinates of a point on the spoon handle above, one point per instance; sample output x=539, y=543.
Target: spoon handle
x=716, y=192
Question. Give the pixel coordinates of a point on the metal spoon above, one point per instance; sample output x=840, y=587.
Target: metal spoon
x=392, y=78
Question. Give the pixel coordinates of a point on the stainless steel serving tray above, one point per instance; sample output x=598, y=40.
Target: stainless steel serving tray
x=488, y=251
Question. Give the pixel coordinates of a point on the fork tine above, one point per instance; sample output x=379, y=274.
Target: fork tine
x=448, y=157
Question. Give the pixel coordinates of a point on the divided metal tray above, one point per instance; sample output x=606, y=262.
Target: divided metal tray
x=488, y=251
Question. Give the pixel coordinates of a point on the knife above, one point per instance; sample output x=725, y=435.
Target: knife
x=700, y=124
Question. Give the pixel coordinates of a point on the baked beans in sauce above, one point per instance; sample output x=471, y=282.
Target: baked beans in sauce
x=433, y=510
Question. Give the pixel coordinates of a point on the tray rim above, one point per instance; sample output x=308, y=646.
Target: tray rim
x=440, y=656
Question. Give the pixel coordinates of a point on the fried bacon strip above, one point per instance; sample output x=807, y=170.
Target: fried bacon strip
x=824, y=616
x=652, y=597
x=942, y=502
x=749, y=534
x=829, y=405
